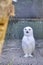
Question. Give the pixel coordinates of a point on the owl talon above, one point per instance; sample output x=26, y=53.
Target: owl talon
x=30, y=55
x=26, y=55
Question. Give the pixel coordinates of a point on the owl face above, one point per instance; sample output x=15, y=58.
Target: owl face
x=28, y=31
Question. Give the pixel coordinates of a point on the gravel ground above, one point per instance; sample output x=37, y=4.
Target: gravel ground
x=12, y=54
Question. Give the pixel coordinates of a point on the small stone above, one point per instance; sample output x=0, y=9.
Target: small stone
x=41, y=51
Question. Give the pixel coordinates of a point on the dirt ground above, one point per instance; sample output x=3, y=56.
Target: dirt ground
x=12, y=54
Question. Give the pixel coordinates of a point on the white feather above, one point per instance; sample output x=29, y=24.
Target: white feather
x=28, y=41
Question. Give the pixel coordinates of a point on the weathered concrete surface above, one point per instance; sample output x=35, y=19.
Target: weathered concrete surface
x=13, y=54
x=29, y=8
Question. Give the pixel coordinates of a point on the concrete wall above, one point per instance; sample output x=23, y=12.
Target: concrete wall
x=15, y=28
x=29, y=8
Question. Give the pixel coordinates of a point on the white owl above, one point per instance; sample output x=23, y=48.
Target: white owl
x=28, y=42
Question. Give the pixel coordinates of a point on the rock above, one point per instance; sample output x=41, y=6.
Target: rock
x=41, y=51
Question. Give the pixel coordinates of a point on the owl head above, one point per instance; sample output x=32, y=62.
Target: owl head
x=28, y=31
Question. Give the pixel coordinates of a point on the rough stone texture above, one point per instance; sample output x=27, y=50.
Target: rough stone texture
x=13, y=54
x=29, y=8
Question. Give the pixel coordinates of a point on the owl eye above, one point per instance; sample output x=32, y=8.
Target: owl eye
x=29, y=29
x=25, y=29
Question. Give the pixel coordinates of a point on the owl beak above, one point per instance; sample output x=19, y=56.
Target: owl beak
x=27, y=32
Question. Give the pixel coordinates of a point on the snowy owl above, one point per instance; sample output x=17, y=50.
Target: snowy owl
x=28, y=42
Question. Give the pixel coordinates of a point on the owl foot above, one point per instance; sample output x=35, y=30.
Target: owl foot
x=30, y=55
x=26, y=55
